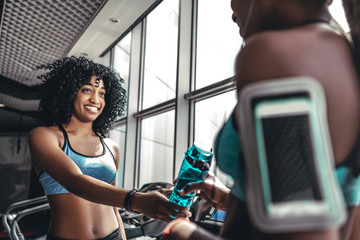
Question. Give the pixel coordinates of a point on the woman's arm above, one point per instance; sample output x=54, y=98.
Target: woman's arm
x=181, y=229
x=47, y=154
x=280, y=55
x=236, y=225
x=349, y=229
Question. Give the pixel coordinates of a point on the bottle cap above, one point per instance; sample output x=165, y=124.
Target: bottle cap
x=204, y=146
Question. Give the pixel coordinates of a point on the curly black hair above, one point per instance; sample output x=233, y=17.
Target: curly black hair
x=61, y=83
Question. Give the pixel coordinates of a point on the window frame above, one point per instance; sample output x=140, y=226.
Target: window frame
x=183, y=103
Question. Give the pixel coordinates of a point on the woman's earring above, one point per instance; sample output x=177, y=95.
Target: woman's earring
x=234, y=18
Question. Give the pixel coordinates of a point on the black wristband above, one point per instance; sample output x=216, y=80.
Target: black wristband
x=128, y=199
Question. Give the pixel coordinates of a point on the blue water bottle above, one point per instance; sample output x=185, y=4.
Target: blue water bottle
x=194, y=168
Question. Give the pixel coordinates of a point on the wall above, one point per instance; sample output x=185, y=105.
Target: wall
x=15, y=166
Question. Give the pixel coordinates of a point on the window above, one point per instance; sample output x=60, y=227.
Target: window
x=218, y=41
x=210, y=115
x=154, y=72
x=150, y=126
x=122, y=58
x=157, y=148
x=337, y=11
x=161, y=54
x=118, y=134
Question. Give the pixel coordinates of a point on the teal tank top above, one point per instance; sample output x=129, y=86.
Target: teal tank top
x=230, y=159
x=101, y=167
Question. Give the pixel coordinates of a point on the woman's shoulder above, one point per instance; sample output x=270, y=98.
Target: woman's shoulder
x=275, y=54
x=307, y=35
x=42, y=133
x=44, y=130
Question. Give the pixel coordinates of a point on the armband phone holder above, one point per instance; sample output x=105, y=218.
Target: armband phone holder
x=290, y=169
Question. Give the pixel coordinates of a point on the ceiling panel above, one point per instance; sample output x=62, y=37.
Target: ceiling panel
x=114, y=19
x=37, y=32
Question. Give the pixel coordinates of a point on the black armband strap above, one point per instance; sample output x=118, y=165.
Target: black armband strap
x=128, y=199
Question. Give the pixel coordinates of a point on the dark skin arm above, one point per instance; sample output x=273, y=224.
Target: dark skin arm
x=47, y=155
x=356, y=232
x=236, y=222
x=351, y=221
x=276, y=56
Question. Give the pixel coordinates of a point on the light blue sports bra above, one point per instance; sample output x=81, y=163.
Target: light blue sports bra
x=101, y=167
x=230, y=159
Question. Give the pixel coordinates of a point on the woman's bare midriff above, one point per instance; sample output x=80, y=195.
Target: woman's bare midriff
x=76, y=218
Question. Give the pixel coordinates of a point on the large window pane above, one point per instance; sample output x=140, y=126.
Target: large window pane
x=210, y=115
x=157, y=148
x=161, y=54
x=122, y=59
x=118, y=134
x=218, y=42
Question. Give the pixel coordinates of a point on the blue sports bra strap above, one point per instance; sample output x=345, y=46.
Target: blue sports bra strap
x=104, y=143
x=66, y=139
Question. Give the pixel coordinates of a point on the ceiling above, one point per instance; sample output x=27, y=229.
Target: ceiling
x=38, y=32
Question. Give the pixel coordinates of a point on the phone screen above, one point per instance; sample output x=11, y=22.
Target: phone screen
x=289, y=158
x=286, y=154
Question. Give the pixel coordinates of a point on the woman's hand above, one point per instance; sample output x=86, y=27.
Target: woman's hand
x=156, y=205
x=164, y=191
x=212, y=190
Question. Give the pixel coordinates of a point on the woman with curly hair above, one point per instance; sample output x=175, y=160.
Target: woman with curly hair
x=76, y=165
x=286, y=39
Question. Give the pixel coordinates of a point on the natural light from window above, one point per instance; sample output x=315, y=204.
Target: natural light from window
x=337, y=11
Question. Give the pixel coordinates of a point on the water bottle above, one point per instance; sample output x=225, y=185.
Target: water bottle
x=194, y=168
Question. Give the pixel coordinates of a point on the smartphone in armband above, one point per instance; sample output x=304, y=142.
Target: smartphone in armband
x=290, y=169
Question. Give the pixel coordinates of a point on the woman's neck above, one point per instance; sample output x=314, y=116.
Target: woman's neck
x=307, y=16
x=77, y=127
x=287, y=15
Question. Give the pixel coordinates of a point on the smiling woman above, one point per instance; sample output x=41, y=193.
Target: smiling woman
x=76, y=165
x=90, y=100
x=66, y=77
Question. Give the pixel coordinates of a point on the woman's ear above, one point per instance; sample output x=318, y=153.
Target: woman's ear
x=329, y=2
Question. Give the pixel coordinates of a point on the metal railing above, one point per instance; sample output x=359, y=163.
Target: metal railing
x=16, y=211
